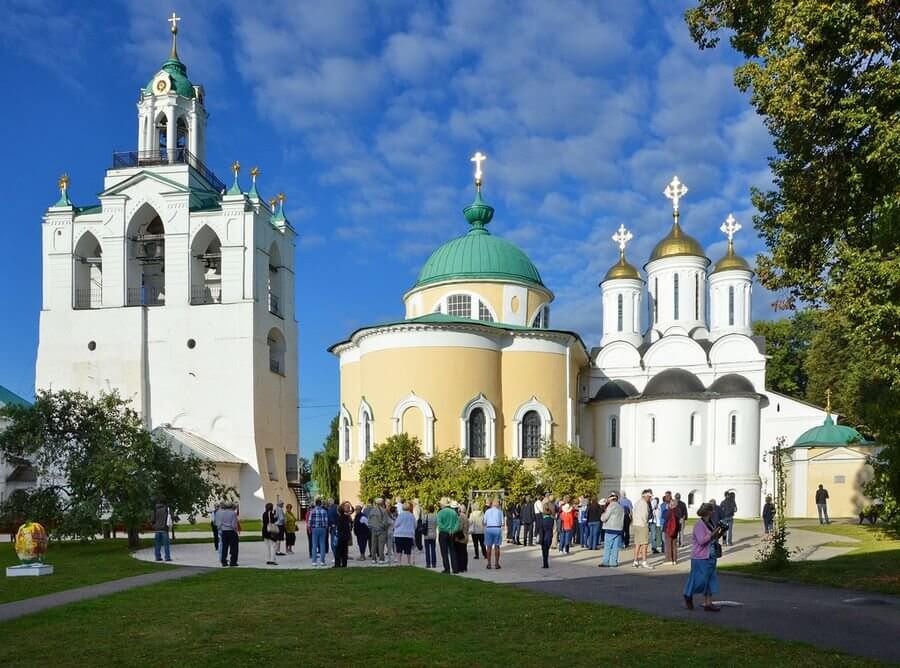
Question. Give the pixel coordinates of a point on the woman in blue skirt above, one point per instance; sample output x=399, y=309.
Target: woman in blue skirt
x=703, y=561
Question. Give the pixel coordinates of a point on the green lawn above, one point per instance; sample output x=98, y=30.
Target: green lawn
x=75, y=565
x=372, y=617
x=202, y=524
x=873, y=565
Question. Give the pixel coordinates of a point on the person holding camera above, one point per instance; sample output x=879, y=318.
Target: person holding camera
x=705, y=551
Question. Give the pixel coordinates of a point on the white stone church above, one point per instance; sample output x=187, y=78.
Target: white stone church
x=179, y=294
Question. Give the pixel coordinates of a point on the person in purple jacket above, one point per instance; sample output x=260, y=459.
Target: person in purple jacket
x=703, y=578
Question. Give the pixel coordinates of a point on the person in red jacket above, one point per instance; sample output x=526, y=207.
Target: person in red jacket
x=568, y=514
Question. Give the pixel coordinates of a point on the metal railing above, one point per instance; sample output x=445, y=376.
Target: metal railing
x=88, y=298
x=145, y=296
x=206, y=294
x=163, y=156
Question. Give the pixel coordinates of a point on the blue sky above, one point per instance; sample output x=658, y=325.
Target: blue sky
x=365, y=115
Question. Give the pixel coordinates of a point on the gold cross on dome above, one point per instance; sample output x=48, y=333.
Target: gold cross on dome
x=174, y=19
x=828, y=401
x=622, y=237
x=254, y=172
x=730, y=227
x=235, y=167
x=675, y=191
x=478, y=158
x=63, y=182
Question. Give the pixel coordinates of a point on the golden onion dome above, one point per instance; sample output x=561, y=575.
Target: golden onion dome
x=676, y=242
x=731, y=261
x=622, y=269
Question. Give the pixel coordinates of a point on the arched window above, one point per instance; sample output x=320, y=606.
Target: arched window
x=655, y=300
x=653, y=429
x=675, y=291
x=459, y=306
x=364, y=437
x=87, y=265
x=162, y=135
x=690, y=498
x=696, y=296
x=147, y=259
x=277, y=347
x=620, y=312
x=541, y=319
x=367, y=436
x=695, y=429
x=614, y=432
x=484, y=313
x=274, y=287
x=475, y=436
x=531, y=435
x=730, y=305
x=732, y=429
x=206, y=268
x=346, y=440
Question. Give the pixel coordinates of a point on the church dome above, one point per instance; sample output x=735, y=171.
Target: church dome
x=829, y=434
x=676, y=242
x=177, y=72
x=622, y=269
x=732, y=383
x=616, y=389
x=478, y=254
x=673, y=381
x=731, y=261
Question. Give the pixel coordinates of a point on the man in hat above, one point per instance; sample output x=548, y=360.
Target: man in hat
x=613, y=519
x=447, y=525
x=640, y=528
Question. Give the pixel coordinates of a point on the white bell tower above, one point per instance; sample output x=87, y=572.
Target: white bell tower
x=171, y=115
x=730, y=284
x=621, y=290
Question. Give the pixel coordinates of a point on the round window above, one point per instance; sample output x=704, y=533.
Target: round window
x=192, y=344
x=92, y=345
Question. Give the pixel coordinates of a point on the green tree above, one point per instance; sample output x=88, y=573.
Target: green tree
x=95, y=458
x=393, y=468
x=825, y=76
x=567, y=469
x=787, y=343
x=325, y=469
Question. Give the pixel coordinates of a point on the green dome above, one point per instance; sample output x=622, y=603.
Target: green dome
x=478, y=254
x=829, y=435
x=177, y=71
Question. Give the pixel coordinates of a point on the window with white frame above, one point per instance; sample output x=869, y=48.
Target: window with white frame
x=732, y=429
x=531, y=435
x=620, y=314
x=346, y=440
x=695, y=429
x=541, y=319
x=484, y=313
x=730, y=305
x=459, y=306
x=614, y=432
x=655, y=300
x=675, y=295
x=475, y=434
x=367, y=435
x=696, y=296
x=653, y=429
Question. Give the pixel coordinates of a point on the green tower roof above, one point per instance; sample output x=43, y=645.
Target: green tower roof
x=478, y=254
x=177, y=71
x=830, y=434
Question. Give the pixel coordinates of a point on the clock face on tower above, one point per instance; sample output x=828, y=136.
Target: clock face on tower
x=161, y=85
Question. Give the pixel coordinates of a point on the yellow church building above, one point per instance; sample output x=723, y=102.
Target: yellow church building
x=474, y=364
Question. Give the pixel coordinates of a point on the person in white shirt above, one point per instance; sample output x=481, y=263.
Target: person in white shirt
x=493, y=532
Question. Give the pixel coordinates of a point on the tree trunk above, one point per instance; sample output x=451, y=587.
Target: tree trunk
x=134, y=538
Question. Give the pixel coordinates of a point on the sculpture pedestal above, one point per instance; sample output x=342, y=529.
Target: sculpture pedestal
x=25, y=570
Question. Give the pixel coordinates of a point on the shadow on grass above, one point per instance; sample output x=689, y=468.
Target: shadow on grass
x=867, y=571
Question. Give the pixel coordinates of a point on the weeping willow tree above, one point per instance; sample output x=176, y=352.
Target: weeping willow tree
x=326, y=472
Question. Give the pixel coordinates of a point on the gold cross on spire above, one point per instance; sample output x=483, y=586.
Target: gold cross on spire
x=174, y=19
x=622, y=237
x=828, y=401
x=675, y=191
x=478, y=158
x=63, y=183
x=235, y=167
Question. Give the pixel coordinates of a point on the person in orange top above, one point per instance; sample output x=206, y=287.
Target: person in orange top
x=568, y=514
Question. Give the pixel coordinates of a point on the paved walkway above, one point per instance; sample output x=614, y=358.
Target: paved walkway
x=29, y=606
